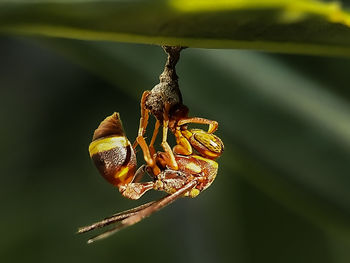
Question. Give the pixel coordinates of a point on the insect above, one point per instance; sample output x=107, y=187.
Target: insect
x=184, y=170
x=115, y=158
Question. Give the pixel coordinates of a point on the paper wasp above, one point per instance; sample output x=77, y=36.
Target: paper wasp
x=186, y=170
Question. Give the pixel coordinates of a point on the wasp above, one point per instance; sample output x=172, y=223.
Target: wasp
x=184, y=170
x=115, y=159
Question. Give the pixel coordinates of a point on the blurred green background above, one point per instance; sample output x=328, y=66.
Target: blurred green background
x=282, y=192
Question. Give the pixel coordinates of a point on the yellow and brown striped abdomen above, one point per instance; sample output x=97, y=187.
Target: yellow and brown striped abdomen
x=112, y=152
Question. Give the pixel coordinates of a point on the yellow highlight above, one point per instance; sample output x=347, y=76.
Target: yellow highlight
x=187, y=133
x=121, y=174
x=106, y=144
x=211, y=162
x=194, y=192
x=331, y=11
x=194, y=167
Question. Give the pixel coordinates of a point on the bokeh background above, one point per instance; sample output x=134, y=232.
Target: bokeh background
x=282, y=191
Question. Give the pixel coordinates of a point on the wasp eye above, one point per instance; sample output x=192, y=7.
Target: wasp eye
x=209, y=141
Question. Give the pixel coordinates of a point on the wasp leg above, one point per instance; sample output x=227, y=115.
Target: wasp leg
x=143, y=213
x=213, y=125
x=172, y=162
x=147, y=155
x=140, y=140
x=139, y=173
x=154, y=136
x=113, y=218
x=183, y=146
x=135, y=190
x=144, y=116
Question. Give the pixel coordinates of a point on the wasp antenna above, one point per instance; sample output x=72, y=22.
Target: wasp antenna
x=158, y=205
x=132, y=210
x=104, y=222
x=145, y=212
x=106, y=234
x=113, y=218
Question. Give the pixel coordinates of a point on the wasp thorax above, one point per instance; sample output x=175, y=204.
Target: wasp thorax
x=112, y=152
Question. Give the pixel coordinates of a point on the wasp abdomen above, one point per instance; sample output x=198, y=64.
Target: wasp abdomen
x=112, y=152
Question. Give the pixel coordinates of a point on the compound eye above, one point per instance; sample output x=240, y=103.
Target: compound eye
x=209, y=141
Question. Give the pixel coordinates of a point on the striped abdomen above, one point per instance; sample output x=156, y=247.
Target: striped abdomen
x=112, y=152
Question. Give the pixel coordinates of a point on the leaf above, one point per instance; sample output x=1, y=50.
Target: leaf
x=293, y=149
x=294, y=26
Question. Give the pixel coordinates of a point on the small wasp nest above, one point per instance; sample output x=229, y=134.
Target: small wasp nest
x=167, y=92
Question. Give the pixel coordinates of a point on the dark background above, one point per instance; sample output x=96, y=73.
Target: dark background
x=281, y=194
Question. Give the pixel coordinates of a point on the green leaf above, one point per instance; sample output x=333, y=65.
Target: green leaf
x=295, y=26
